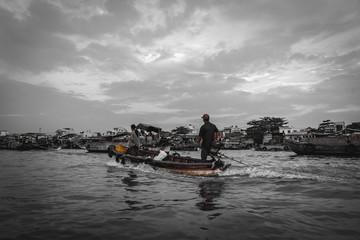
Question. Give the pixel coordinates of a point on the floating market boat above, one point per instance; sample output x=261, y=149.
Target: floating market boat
x=27, y=141
x=15, y=145
x=101, y=144
x=186, y=142
x=185, y=147
x=172, y=163
x=327, y=145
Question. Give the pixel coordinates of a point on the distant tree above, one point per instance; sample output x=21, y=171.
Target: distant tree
x=181, y=130
x=258, y=128
x=325, y=124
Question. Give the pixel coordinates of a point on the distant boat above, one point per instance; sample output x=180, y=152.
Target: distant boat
x=186, y=142
x=101, y=144
x=272, y=147
x=185, y=147
x=27, y=141
x=327, y=145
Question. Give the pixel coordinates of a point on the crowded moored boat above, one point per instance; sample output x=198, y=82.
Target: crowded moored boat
x=327, y=145
x=330, y=138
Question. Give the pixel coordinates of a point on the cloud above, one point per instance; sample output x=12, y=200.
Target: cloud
x=328, y=44
x=167, y=61
x=30, y=45
x=347, y=108
x=19, y=8
x=26, y=107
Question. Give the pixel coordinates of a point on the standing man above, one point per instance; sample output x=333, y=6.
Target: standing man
x=134, y=141
x=208, y=133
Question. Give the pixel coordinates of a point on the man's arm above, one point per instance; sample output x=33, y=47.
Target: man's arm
x=199, y=140
x=201, y=133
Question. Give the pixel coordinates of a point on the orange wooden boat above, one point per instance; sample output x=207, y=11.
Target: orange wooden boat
x=169, y=162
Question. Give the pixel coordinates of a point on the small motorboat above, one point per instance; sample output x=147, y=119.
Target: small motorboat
x=169, y=162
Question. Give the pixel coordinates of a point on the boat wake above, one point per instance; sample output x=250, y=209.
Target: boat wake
x=272, y=173
x=141, y=166
x=254, y=172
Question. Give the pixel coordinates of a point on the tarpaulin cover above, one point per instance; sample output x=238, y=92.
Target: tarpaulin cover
x=148, y=128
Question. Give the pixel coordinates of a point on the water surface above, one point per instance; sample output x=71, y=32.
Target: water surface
x=72, y=194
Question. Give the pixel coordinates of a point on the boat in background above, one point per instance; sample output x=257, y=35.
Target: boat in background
x=185, y=142
x=327, y=144
x=98, y=143
x=27, y=141
x=101, y=144
x=272, y=147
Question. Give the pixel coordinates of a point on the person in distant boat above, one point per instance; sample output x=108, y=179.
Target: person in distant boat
x=149, y=139
x=207, y=135
x=134, y=141
x=142, y=137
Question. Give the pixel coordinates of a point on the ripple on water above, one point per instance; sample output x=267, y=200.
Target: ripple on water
x=276, y=195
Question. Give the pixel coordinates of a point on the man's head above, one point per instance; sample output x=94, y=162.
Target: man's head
x=133, y=126
x=206, y=117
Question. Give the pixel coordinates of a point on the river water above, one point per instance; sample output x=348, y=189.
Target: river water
x=72, y=194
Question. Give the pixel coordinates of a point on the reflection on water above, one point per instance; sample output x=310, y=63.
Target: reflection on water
x=209, y=191
x=131, y=183
x=130, y=180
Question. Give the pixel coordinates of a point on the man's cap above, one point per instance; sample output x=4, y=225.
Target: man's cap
x=206, y=116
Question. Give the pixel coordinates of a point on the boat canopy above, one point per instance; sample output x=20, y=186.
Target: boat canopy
x=148, y=128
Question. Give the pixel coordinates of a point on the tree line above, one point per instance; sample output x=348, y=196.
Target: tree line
x=258, y=128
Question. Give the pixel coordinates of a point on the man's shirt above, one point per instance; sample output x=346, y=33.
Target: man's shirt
x=207, y=132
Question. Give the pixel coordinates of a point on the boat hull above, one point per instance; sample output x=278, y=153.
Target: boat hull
x=327, y=146
x=194, y=172
x=15, y=145
x=98, y=147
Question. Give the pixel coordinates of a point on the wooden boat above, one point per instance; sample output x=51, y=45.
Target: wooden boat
x=272, y=147
x=101, y=144
x=15, y=145
x=186, y=142
x=28, y=141
x=327, y=145
x=185, y=147
x=172, y=163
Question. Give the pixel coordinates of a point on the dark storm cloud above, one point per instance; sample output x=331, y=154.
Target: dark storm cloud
x=168, y=61
x=33, y=107
x=36, y=44
x=32, y=45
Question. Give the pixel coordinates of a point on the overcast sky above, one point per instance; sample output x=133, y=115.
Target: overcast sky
x=99, y=64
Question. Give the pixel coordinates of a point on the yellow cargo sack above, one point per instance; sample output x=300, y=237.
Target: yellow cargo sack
x=121, y=148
